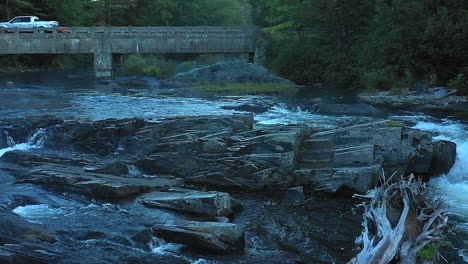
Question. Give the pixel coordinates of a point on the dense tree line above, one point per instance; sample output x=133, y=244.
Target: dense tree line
x=116, y=13
x=129, y=12
x=379, y=44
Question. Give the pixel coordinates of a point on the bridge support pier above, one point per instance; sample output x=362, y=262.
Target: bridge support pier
x=103, y=65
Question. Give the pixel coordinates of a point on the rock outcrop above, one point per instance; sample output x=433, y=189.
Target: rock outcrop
x=227, y=152
x=190, y=201
x=210, y=236
x=231, y=72
x=452, y=103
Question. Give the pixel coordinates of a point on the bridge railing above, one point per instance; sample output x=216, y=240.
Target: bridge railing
x=80, y=32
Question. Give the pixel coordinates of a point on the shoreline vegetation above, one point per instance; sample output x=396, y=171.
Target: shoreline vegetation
x=373, y=45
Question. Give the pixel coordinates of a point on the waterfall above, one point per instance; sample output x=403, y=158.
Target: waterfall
x=34, y=142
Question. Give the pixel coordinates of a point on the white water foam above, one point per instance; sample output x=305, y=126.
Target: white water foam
x=280, y=114
x=34, y=213
x=161, y=247
x=34, y=142
x=453, y=186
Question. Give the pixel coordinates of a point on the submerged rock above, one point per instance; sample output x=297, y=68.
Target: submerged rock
x=209, y=236
x=134, y=80
x=347, y=109
x=437, y=102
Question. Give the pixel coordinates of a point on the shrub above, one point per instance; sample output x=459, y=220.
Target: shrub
x=299, y=62
x=380, y=79
x=394, y=123
x=460, y=83
x=429, y=252
x=151, y=66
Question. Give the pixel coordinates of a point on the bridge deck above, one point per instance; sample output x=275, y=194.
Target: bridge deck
x=129, y=40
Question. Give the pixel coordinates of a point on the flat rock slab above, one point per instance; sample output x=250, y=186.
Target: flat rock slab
x=100, y=185
x=209, y=236
x=198, y=202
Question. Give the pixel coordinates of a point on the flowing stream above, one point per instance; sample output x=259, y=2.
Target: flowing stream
x=83, y=98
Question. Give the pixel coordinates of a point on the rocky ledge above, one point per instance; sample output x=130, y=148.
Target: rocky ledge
x=456, y=105
x=169, y=163
x=225, y=152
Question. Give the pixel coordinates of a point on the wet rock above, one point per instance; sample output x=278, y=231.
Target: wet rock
x=440, y=92
x=99, y=185
x=42, y=121
x=254, y=108
x=213, y=146
x=209, y=236
x=198, y=202
x=444, y=156
x=435, y=103
x=24, y=242
x=332, y=180
x=231, y=72
x=347, y=109
x=295, y=194
x=134, y=80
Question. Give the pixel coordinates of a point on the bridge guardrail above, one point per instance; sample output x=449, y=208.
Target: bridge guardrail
x=69, y=32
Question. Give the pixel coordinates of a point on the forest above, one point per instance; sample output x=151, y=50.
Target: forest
x=378, y=45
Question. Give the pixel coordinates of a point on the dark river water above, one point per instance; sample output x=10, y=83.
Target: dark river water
x=76, y=95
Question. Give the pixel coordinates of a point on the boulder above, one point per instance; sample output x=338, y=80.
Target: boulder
x=198, y=202
x=254, y=108
x=209, y=236
x=443, y=157
x=347, y=109
x=231, y=72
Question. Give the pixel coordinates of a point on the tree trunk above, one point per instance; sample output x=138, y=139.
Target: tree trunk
x=399, y=221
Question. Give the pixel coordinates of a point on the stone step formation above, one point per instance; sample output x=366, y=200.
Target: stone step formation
x=170, y=163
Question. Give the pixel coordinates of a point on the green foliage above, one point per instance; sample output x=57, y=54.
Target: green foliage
x=394, y=123
x=376, y=44
x=379, y=79
x=150, y=66
x=247, y=88
x=429, y=252
x=459, y=82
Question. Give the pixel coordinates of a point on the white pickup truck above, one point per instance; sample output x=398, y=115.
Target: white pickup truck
x=27, y=22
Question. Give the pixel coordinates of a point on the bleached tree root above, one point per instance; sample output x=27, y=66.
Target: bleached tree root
x=399, y=220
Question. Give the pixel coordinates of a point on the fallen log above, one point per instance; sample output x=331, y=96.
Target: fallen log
x=400, y=219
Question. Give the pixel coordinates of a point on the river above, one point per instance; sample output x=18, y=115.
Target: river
x=78, y=96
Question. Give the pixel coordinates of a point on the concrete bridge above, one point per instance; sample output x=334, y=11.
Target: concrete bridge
x=107, y=43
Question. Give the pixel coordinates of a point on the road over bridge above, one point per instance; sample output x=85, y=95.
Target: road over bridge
x=107, y=42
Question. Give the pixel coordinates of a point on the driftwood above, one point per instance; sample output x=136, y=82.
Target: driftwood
x=399, y=220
